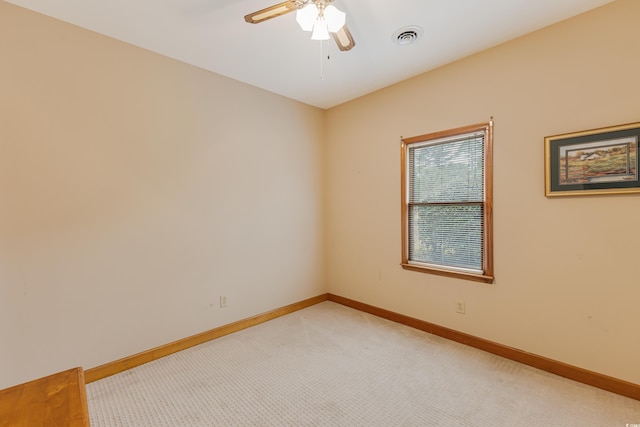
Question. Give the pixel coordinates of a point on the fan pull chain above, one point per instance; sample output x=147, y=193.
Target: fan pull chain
x=321, y=61
x=322, y=58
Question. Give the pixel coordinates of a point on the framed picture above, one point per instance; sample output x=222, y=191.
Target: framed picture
x=599, y=161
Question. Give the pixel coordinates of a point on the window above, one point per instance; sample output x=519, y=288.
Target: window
x=447, y=203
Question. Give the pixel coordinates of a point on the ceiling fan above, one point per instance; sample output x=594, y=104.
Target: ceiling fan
x=318, y=16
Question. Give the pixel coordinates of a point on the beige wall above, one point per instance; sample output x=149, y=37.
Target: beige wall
x=567, y=284
x=134, y=191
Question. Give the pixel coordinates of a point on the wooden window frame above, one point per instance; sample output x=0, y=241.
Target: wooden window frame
x=487, y=260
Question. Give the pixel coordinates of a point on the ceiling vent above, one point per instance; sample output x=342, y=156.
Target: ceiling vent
x=407, y=35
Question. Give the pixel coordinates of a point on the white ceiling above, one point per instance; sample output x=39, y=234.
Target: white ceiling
x=278, y=56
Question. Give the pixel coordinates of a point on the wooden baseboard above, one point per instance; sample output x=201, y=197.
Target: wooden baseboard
x=129, y=362
x=584, y=376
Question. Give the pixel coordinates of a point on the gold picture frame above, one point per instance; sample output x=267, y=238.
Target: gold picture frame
x=597, y=161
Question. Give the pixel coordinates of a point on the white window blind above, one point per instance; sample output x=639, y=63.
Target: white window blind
x=446, y=201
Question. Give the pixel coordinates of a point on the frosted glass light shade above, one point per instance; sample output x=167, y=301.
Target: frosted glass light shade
x=332, y=20
x=320, y=30
x=335, y=18
x=307, y=16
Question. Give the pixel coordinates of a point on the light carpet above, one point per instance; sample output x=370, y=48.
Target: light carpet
x=330, y=365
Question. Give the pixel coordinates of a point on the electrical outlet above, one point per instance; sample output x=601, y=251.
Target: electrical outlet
x=223, y=301
x=460, y=307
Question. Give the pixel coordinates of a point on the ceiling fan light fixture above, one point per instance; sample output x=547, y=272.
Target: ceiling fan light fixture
x=320, y=17
x=320, y=30
x=321, y=20
x=307, y=16
x=335, y=18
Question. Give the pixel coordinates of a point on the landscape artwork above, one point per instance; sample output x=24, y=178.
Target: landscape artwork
x=603, y=161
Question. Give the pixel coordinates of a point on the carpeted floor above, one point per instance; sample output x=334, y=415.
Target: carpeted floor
x=329, y=365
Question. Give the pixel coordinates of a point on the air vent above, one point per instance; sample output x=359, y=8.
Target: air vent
x=407, y=35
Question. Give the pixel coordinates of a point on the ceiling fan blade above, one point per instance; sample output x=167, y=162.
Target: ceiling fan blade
x=271, y=12
x=344, y=39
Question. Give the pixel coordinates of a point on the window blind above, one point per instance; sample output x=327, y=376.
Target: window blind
x=446, y=202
